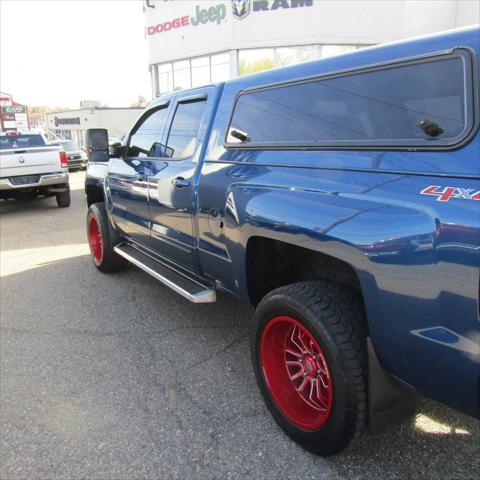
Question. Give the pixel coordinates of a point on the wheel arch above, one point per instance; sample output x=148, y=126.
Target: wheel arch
x=283, y=263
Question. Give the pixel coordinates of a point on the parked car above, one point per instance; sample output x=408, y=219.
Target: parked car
x=340, y=198
x=30, y=167
x=77, y=158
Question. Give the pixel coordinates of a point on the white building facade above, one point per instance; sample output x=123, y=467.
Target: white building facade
x=196, y=42
x=72, y=124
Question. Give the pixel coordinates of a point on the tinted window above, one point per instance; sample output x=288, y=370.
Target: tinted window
x=20, y=141
x=413, y=104
x=184, y=129
x=144, y=142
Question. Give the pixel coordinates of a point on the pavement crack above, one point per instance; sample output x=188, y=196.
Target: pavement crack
x=167, y=331
x=68, y=331
x=219, y=352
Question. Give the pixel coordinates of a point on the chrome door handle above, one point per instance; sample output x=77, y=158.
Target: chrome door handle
x=180, y=182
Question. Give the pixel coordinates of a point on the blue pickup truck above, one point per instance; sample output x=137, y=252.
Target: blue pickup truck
x=341, y=199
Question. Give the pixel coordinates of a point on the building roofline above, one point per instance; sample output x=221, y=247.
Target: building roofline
x=95, y=108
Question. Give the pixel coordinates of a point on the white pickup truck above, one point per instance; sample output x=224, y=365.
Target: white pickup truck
x=30, y=167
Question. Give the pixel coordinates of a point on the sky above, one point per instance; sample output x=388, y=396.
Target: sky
x=58, y=52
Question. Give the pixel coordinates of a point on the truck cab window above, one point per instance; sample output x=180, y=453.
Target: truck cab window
x=183, y=132
x=146, y=138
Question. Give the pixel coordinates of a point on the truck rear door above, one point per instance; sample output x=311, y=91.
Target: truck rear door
x=172, y=184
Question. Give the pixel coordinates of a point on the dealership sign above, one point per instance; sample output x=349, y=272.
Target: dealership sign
x=216, y=14
x=240, y=8
x=14, y=117
x=14, y=109
x=66, y=121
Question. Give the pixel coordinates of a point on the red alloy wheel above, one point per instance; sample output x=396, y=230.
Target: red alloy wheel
x=95, y=239
x=296, y=373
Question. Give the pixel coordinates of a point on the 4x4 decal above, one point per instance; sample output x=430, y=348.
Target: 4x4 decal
x=444, y=194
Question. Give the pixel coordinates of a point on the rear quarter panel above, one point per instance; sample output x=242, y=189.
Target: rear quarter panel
x=417, y=257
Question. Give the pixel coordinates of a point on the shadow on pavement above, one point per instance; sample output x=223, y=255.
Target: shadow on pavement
x=115, y=376
x=19, y=207
x=42, y=204
x=40, y=223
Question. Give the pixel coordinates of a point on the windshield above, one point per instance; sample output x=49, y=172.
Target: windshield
x=8, y=142
x=69, y=146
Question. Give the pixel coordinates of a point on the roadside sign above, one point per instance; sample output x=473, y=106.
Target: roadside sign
x=14, y=117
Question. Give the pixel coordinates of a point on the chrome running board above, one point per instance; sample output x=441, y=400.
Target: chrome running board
x=181, y=283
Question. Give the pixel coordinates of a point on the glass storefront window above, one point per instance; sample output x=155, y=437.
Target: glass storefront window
x=220, y=67
x=200, y=71
x=165, y=78
x=255, y=60
x=181, y=75
x=331, y=50
x=63, y=134
x=291, y=55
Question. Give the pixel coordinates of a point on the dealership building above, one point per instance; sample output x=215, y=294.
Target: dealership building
x=73, y=124
x=196, y=42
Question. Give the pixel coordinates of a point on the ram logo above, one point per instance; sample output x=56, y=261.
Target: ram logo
x=240, y=8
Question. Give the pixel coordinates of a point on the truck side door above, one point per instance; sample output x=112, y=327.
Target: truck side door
x=172, y=184
x=127, y=179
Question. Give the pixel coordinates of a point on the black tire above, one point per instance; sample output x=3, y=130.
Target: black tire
x=333, y=317
x=103, y=256
x=63, y=198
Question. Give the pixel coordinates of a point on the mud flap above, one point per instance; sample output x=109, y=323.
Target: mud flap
x=387, y=404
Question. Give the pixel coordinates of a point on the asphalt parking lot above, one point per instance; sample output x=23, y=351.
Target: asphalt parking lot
x=116, y=377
